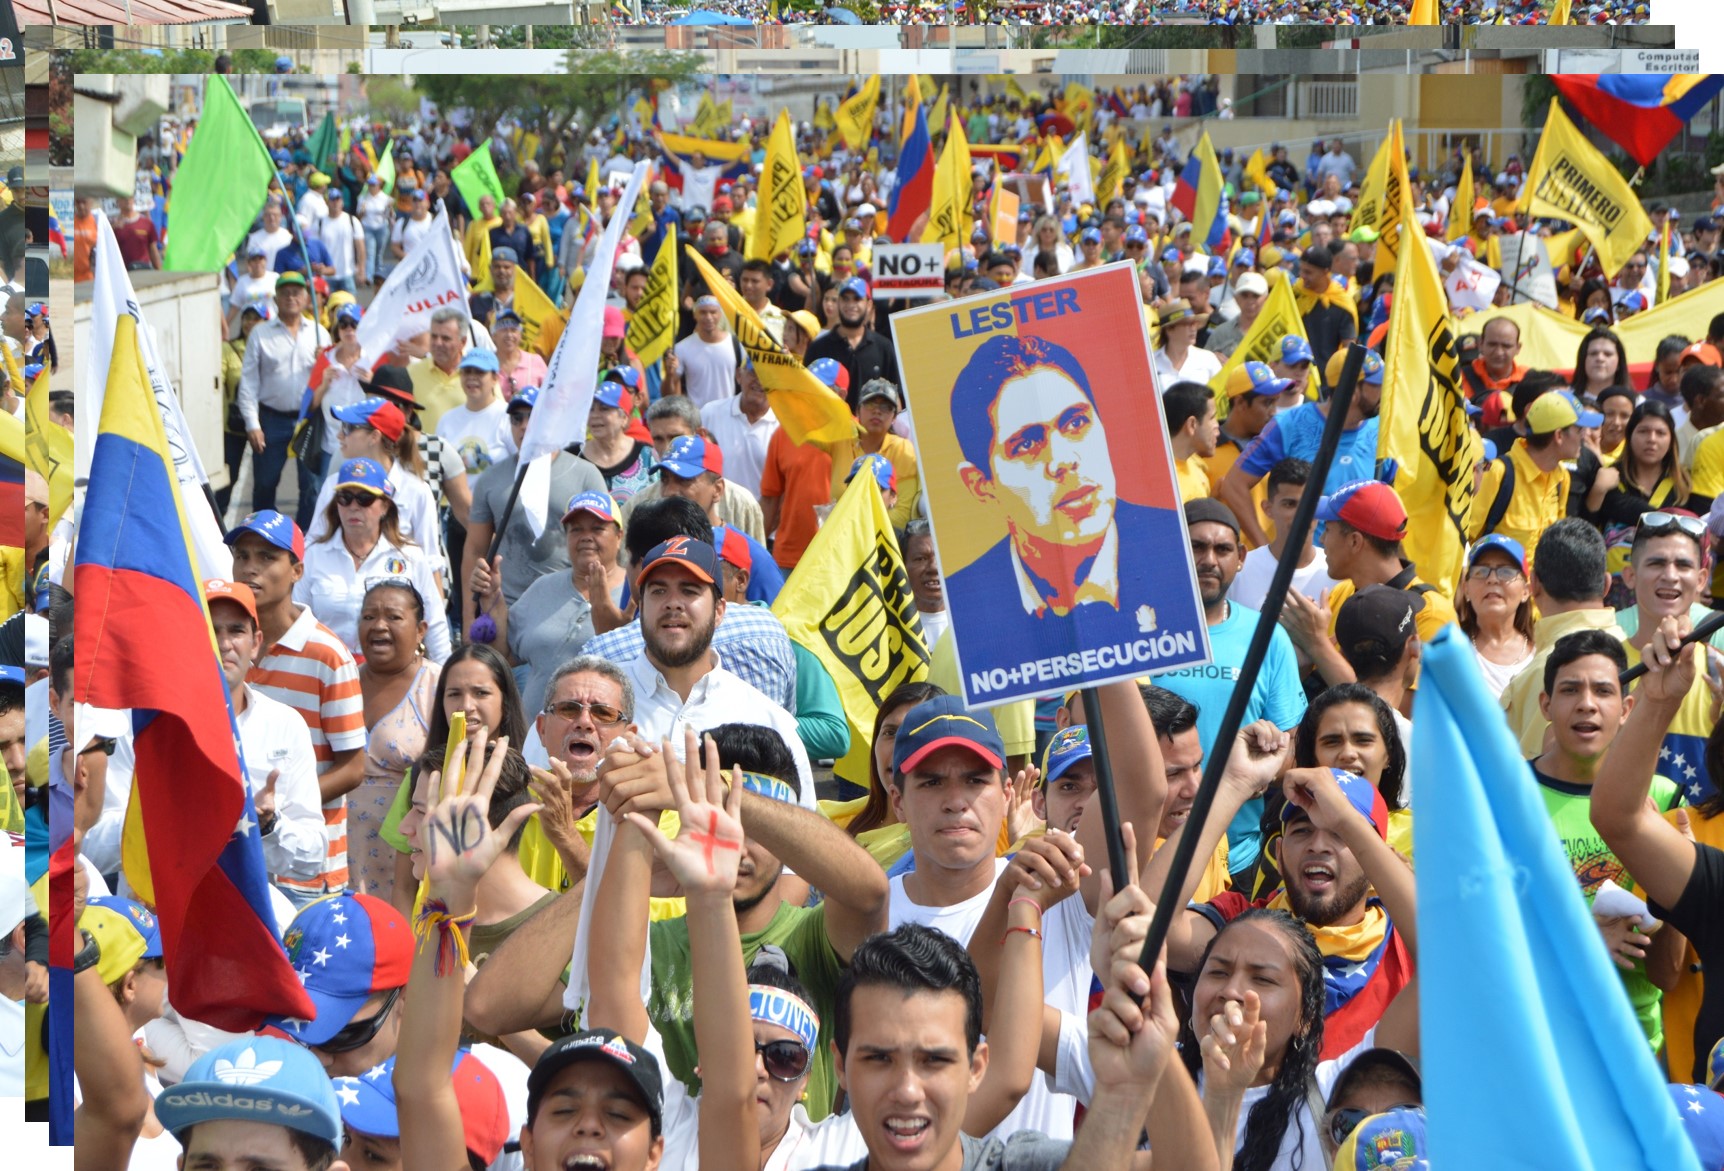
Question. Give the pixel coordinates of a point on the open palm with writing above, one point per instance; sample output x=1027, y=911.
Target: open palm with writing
x=461, y=846
x=708, y=847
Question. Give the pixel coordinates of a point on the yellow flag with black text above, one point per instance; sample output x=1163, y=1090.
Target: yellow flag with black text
x=1393, y=212
x=856, y=114
x=848, y=603
x=781, y=217
x=1112, y=174
x=1572, y=181
x=1422, y=421
x=805, y=407
x=1367, y=210
x=1262, y=342
x=950, y=210
x=652, y=328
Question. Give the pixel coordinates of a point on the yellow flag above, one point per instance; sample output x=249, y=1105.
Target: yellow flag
x=823, y=119
x=1369, y=208
x=848, y=604
x=806, y=408
x=925, y=86
x=653, y=326
x=541, y=323
x=1422, y=423
x=1014, y=90
x=1257, y=170
x=781, y=215
x=1560, y=14
x=1393, y=212
x=1663, y=265
x=705, y=117
x=949, y=211
x=937, y=115
x=593, y=181
x=528, y=147
x=1080, y=104
x=1113, y=174
x=1262, y=342
x=1461, y=210
x=856, y=114
x=1574, y=182
x=48, y=448
x=1424, y=12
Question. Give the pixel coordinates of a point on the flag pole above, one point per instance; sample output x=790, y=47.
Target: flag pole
x=1340, y=399
x=1104, y=789
x=483, y=628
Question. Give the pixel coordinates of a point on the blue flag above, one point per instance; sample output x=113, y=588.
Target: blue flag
x=1532, y=1057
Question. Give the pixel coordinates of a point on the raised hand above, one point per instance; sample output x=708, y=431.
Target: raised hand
x=1625, y=945
x=1235, y=1045
x=1129, y=1044
x=1316, y=791
x=460, y=845
x=1670, y=668
x=1021, y=818
x=1258, y=755
x=554, y=787
x=708, y=847
x=1047, y=868
x=1122, y=917
x=636, y=779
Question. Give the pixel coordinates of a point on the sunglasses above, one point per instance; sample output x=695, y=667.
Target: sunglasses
x=1502, y=573
x=1659, y=524
x=784, y=1060
x=357, y=1034
x=571, y=709
x=355, y=499
x=1342, y=1123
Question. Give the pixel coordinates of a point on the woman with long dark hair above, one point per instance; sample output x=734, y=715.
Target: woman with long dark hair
x=1601, y=361
x=1648, y=476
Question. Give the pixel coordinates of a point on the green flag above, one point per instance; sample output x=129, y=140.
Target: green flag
x=475, y=175
x=221, y=185
x=323, y=145
x=386, y=169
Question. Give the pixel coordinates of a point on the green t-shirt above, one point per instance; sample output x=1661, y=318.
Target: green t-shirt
x=801, y=933
x=1570, y=809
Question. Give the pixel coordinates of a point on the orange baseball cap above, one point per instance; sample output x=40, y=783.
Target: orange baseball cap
x=232, y=591
x=1703, y=352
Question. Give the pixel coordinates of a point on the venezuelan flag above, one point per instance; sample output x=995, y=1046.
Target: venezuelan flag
x=55, y=235
x=144, y=643
x=1198, y=194
x=913, y=193
x=11, y=480
x=1640, y=112
x=1007, y=159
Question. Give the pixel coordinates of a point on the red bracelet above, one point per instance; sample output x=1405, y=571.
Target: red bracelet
x=1024, y=899
x=1026, y=930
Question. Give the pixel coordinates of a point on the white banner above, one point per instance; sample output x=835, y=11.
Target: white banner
x=908, y=270
x=1073, y=170
x=560, y=416
x=110, y=296
x=427, y=279
x=1471, y=285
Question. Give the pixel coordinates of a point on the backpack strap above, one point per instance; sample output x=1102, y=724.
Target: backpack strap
x=1505, y=493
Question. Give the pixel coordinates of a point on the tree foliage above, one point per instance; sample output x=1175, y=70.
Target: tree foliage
x=167, y=60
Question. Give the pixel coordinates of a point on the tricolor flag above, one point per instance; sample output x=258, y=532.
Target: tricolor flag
x=144, y=643
x=12, y=461
x=913, y=193
x=1640, y=112
x=1199, y=196
x=55, y=236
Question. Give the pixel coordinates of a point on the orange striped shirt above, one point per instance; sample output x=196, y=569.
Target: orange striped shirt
x=312, y=672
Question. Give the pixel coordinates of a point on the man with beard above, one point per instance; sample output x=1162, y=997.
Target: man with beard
x=864, y=354
x=817, y=941
x=1299, y=433
x=1276, y=694
x=1332, y=854
x=677, y=677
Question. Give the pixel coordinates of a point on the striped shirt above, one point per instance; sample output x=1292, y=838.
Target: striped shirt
x=311, y=671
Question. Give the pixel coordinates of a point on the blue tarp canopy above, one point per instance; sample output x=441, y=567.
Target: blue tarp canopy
x=703, y=17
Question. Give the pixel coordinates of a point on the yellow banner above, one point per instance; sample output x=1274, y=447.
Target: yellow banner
x=716, y=150
x=856, y=114
x=541, y=323
x=949, y=214
x=1422, y=424
x=1550, y=340
x=848, y=604
x=1425, y=12
x=652, y=329
x=806, y=408
x=1560, y=13
x=1461, y=210
x=781, y=214
x=47, y=448
x=1574, y=182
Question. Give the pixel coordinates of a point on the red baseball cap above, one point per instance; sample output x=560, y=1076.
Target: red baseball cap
x=733, y=547
x=1370, y=506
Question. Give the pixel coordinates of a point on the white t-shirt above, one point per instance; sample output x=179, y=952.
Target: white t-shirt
x=276, y=740
x=708, y=368
x=269, y=243
x=934, y=625
x=312, y=210
x=247, y=289
x=1496, y=675
x=743, y=443
x=338, y=235
x=1251, y=586
x=479, y=436
x=375, y=208
x=413, y=499
x=1301, y=1134
x=409, y=231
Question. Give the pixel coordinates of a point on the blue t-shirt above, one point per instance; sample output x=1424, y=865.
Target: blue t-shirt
x=290, y=259
x=1276, y=697
x=1299, y=433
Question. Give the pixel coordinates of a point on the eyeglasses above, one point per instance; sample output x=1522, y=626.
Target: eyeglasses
x=355, y=499
x=350, y=428
x=1343, y=1122
x=1502, y=573
x=358, y=1034
x=571, y=709
x=1661, y=524
x=784, y=1060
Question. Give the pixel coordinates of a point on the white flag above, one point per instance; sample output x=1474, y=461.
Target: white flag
x=571, y=376
x=1471, y=285
x=427, y=279
x=1073, y=170
x=111, y=296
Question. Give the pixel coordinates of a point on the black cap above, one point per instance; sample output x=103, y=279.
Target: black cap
x=1380, y=614
x=391, y=382
x=1207, y=508
x=599, y=1045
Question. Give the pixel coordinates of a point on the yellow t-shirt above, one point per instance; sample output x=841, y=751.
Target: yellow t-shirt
x=1709, y=465
x=435, y=391
x=1539, y=500
x=1193, y=480
x=539, y=859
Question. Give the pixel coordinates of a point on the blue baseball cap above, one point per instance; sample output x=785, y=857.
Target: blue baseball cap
x=1068, y=746
x=344, y=948
x=273, y=527
x=806, y=247
x=614, y=395
x=1217, y=266
x=944, y=722
x=1024, y=217
x=1090, y=236
x=255, y=1079
x=1295, y=349
x=1256, y=378
x=884, y=473
x=1497, y=541
x=1372, y=371
x=506, y=253
x=1244, y=259
x=1170, y=253
x=377, y=413
x=1395, y=1138
x=1361, y=795
x=1011, y=250
x=601, y=504
x=830, y=372
x=479, y=359
x=364, y=473
x=627, y=376
x=260, y=307
x=348, y=312
x=282, y=158
x=1136, y=235
x=690, y=455
x=525, y=396
x=855, y=286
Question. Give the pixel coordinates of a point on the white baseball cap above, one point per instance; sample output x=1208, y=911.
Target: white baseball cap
x=35, y=641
